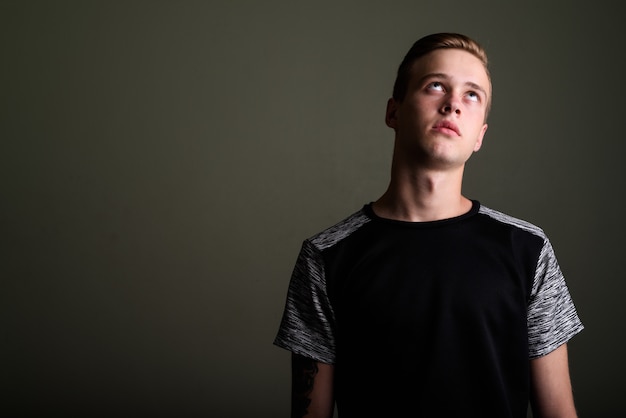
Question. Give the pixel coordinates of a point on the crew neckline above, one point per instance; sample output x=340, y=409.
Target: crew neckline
x=369, y=211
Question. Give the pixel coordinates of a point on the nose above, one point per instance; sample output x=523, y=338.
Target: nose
x=451, y=105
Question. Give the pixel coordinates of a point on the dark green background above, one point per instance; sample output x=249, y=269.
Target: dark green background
x=162, y=161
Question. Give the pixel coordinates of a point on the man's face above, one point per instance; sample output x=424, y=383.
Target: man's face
x=442, y=117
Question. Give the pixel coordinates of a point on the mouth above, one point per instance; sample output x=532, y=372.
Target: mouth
x=447, y=127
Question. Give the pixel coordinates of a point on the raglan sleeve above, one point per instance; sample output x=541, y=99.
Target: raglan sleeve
x=307, y=325
x=552, y=316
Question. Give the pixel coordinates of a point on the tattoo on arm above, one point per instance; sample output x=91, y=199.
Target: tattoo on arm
x=303, y=371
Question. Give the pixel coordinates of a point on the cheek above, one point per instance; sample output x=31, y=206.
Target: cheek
x=410, y=116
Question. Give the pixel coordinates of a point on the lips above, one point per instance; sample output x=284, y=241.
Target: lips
x=447, y=127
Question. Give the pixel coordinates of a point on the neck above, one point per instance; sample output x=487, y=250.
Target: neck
x=421, y=195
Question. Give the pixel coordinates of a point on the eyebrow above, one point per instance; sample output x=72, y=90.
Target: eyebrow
x=446, y=77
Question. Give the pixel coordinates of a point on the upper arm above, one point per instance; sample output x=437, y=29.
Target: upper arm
x=311, y=388
x=551, y=385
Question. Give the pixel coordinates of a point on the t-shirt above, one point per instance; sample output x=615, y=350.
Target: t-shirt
x=428, y=318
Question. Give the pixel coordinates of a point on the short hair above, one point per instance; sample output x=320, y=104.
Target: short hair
x=431, y=43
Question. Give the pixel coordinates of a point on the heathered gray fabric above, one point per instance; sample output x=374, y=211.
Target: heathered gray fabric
x=309, y=332
x=552, y=318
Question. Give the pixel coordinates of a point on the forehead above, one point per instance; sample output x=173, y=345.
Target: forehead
x=456, y=64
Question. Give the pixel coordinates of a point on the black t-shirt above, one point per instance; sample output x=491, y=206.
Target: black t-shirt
x=428, y=318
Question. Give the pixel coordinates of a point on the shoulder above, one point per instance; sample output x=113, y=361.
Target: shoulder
x=340, y=231
x=512, y=222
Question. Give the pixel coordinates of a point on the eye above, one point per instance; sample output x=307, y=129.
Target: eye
x=435, y=85
x=473, y=96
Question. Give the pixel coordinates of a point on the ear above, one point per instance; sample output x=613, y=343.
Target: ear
x=391, y=114
x=481, y=135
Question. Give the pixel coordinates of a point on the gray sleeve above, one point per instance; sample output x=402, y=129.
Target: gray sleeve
x=308, y=319
x=552, y=317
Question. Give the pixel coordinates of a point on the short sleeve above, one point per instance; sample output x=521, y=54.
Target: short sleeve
x=307, y=326
x=552, y=317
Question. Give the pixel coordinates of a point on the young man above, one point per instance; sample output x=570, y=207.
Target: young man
x=425, y=303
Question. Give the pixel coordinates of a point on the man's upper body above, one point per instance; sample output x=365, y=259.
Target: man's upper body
x=425, y=303
x=437, y=317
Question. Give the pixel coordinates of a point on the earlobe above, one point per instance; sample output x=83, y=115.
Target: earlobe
x=479, y=142
x=390, y=114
